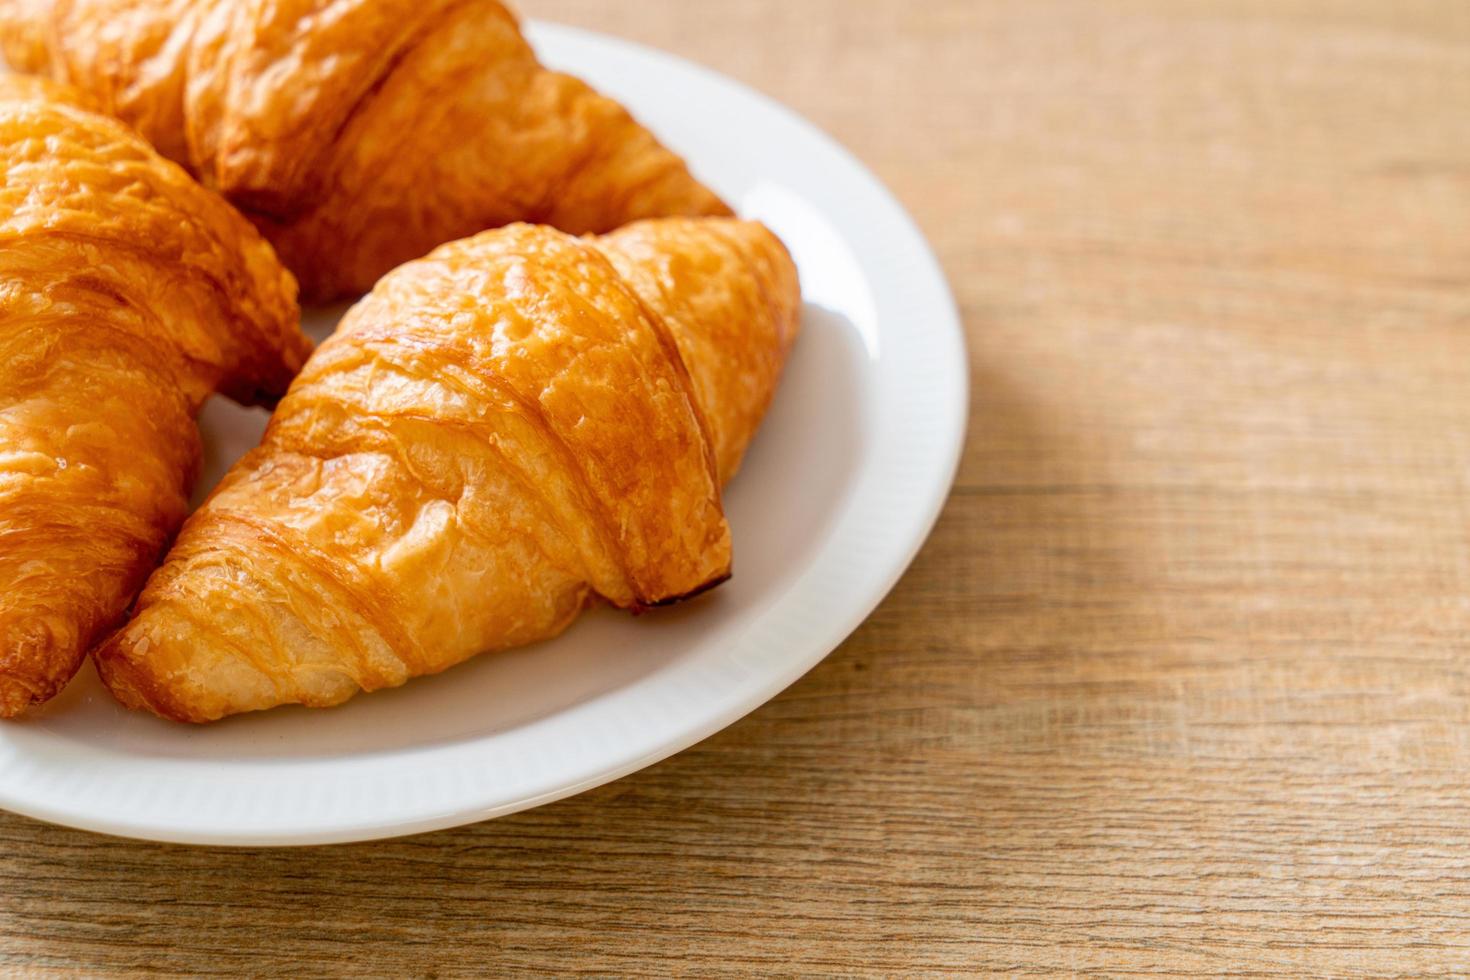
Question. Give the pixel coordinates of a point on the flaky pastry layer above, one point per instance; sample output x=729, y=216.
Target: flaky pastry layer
x=128, y=293
x=358, y=134
x=499, y=431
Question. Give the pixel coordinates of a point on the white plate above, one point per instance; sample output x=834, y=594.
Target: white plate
x=841, y=486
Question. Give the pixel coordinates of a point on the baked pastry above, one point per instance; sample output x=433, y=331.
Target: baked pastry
x=128, y=293
x=359, y=134
x=499, y=431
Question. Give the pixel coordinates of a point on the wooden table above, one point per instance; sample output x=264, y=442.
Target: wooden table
x=1179, y=684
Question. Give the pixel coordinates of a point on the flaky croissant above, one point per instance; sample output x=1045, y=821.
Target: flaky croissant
x=358, y=134
x=128, y=293
x=517, y=421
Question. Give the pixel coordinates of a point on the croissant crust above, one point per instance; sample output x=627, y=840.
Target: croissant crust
x=498, y=432
x=358, y=134
x=128, y=294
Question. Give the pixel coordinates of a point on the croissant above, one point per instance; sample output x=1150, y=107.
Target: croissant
x=128, y=293
x=498, y=431
x=359, y=134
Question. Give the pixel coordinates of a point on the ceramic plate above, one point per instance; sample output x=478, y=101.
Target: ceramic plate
x=838, y=491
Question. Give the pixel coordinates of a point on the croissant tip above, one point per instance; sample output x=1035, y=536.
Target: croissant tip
x=13, y=699
x=35, y=665
x=16, y=696
x=683, y=596
x=133, y=687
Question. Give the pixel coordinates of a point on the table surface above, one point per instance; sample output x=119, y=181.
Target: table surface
x=1179, y=683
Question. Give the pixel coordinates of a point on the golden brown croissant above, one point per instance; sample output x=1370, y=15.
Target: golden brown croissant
x=359, y=134
x=128, y=293
x=518, y=420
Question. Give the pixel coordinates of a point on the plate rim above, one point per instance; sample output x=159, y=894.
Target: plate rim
x=950, y=388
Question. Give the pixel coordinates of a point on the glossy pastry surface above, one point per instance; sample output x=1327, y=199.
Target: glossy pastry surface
x=519, y=421
x=128, y=294
x=359, y=134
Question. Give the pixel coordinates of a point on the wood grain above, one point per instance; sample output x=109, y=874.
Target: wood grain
x=1179, y=684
